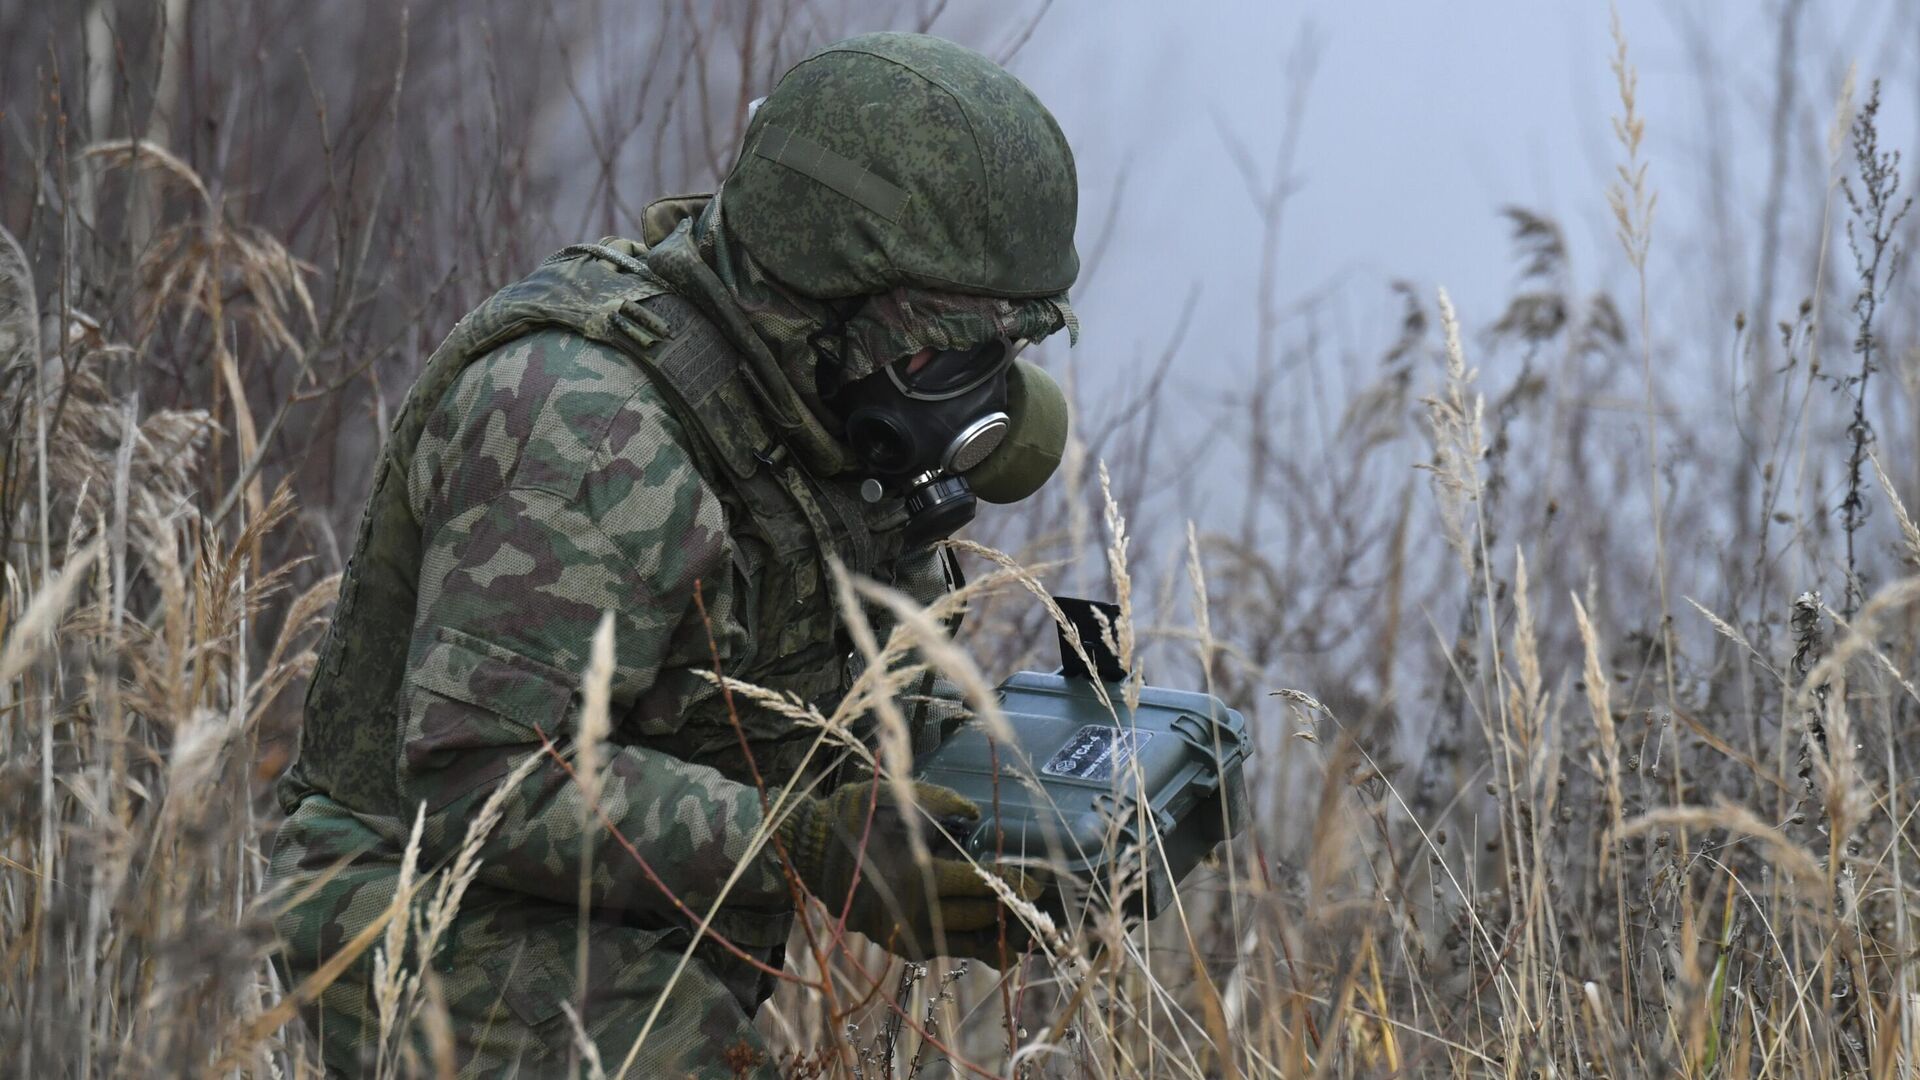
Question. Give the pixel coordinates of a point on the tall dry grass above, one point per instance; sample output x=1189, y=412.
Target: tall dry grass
x=1565, y=762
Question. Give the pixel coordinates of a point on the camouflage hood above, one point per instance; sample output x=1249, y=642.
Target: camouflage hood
x=844, y=188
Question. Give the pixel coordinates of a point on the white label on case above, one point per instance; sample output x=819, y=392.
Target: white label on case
x=1095, y=752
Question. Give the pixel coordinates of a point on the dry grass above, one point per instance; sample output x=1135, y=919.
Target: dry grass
x=1514, y=814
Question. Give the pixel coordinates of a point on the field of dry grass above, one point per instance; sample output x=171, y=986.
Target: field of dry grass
x=1579, y=651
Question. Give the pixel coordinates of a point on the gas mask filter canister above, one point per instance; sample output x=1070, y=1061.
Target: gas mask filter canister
x=1036, y=438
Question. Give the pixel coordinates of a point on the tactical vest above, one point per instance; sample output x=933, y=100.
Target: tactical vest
x=783, y=522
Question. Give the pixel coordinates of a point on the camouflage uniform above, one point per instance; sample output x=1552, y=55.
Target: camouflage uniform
x=628, y=430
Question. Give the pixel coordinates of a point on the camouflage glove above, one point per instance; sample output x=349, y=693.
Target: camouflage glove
x=886, y=895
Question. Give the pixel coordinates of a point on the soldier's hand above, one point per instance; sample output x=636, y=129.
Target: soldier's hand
x=852, y=850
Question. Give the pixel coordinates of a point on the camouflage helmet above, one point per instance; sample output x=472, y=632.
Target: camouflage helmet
x=894, y=159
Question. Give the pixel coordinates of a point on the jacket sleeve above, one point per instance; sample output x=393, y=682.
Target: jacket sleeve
x=591, y=512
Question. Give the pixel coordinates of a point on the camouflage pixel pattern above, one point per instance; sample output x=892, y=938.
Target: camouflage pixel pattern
x=896, y=159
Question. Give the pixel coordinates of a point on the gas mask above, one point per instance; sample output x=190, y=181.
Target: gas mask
x=948, y=428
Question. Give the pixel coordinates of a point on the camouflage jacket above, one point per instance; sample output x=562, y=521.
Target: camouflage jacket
x=554, y=480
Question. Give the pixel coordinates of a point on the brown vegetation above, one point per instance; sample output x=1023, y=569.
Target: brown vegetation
x=1587, y=761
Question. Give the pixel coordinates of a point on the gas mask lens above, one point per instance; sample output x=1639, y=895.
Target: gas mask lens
x=949, y=373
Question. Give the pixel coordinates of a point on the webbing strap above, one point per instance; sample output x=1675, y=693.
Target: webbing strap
x=697, y=359
x=599, y=251
x=697, y=364
x=849, y=178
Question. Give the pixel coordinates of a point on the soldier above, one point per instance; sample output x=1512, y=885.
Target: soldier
x=817, y=361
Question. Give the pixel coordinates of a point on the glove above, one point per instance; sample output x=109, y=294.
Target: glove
x=944, y=909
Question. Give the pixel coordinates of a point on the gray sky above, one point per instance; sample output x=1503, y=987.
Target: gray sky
x=1423, y=120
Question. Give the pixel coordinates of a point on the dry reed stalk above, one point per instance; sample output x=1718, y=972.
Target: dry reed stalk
x=594, y=723
x=32, y=631
x=1633, y=204
x=1909, y=532
x=389, y=960
x=1456, y=423
x=1120, y=638
x=1600, y=708
x=583, y=1044
x=438, y=1029
x=1206, y=647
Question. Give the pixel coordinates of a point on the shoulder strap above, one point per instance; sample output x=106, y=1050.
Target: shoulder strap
x=702, y=373
x=699, y=369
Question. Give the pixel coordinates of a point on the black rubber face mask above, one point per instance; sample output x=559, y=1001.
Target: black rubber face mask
x=918, y=424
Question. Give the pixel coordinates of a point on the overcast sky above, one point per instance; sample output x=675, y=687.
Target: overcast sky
x=1422, y=120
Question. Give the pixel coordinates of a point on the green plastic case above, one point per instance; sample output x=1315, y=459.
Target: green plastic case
x=1069, y=798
